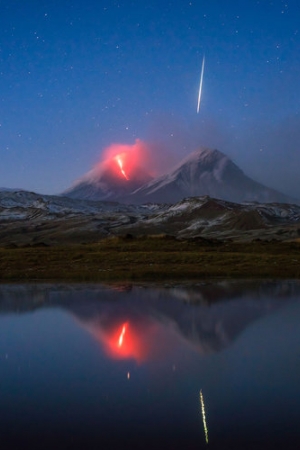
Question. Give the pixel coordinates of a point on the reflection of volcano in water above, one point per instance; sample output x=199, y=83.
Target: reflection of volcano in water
x=144, y=323
x=140, y=338
x=152, y=325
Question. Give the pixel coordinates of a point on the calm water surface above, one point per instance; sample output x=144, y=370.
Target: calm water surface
x=213, y=365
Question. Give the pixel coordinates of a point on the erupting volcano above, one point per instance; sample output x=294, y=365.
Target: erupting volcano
x=121, y=171
x=122, y=177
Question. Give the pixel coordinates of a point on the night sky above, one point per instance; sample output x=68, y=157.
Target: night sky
x=77, y=76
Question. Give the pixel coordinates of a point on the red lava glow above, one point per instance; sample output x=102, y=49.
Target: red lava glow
x=140, y=341
x=129, y=162
x=119, y=160
x=121, y=337
x=125, y=341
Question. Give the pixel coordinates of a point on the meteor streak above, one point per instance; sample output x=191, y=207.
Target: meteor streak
x=203, y=416
x=200, y=85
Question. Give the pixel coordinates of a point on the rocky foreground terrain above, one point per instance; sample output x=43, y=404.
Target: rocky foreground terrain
x=27, y=218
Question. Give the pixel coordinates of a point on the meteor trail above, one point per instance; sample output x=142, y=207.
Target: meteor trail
x=203, y=416
x=200, y=85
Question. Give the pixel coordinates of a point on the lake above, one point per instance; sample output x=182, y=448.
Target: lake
x=211, y=365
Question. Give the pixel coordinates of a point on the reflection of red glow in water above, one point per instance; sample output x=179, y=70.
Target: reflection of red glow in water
x=120, y=341
x=120, y=163
x=138, y=340
x=124, y=343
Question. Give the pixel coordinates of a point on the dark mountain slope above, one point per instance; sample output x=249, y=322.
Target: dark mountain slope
x=206, y=172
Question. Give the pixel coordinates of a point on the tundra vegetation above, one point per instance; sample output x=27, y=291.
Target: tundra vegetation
x=150, y=259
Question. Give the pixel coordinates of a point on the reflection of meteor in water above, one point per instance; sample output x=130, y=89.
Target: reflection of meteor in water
x=121, y=337
x=203, y=416
x=120, y=163
x=200, y=85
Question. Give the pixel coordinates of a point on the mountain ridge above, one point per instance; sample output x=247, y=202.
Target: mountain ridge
x=207, y=172
x=202, y=172
x=27, y=218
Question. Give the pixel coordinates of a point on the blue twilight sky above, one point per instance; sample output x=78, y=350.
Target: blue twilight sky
x=77, y=76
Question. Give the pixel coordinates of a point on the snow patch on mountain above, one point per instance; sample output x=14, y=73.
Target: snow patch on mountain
x=19, y=204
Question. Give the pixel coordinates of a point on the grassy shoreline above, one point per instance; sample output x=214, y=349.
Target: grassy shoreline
x=150, y=259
